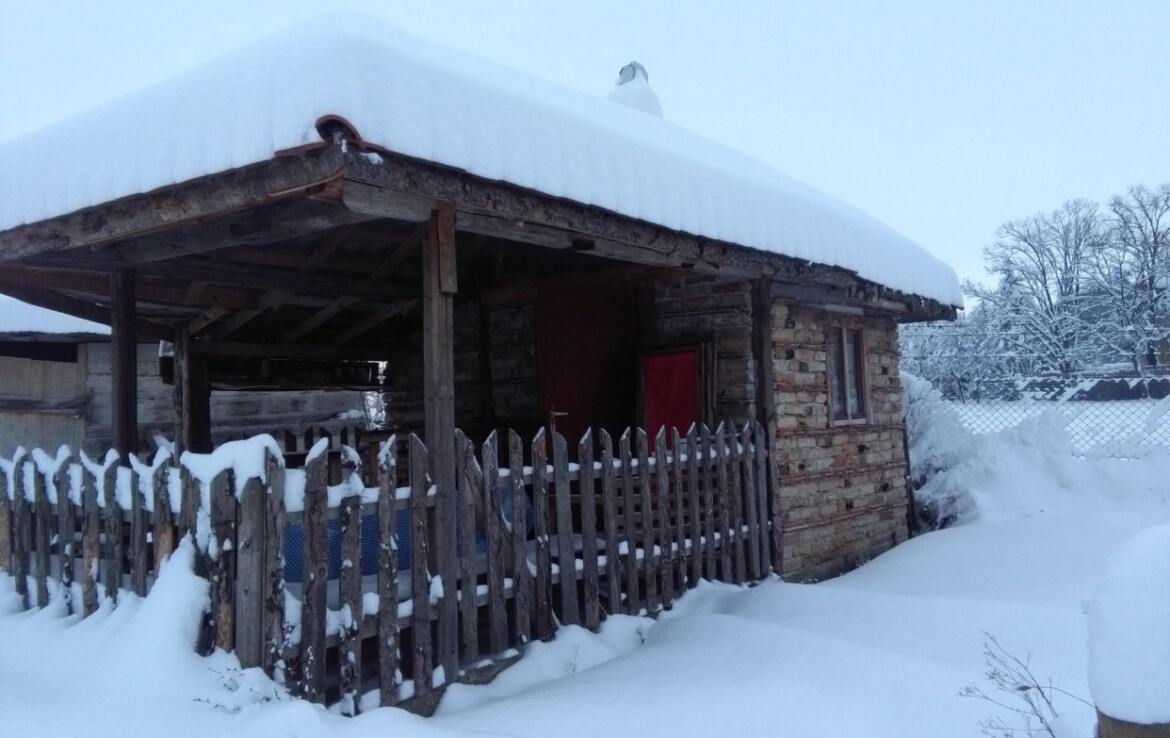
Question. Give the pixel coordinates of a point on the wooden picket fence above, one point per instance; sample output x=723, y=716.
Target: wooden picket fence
x=619, y=530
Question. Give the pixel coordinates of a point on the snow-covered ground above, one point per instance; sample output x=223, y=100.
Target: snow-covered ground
x=882, y=651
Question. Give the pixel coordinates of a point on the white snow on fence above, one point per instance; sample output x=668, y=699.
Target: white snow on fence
x=427, y=101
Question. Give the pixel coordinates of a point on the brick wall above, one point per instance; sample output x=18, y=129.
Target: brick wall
x=842, y=490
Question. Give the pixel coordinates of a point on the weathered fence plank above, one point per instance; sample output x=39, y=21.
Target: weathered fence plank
x=468, y=490
x=735, y=505
x=629, y=535
x=566, y=556
x=695, y=550
x=646, y=497
x=760, y=464
x=314, y=578
x=420, y=626
x=678, y=475
x=115, y=552
x=389, y=671
x=748, y=460
x=138, y=562
x=21, y=529
x=349, y=652
x=91, y=553
x=723, y=508
x=586, y=489
x=164, y=521
x=223, y=558
x=521, y=576
x=42, y=535
x=543, y=585
x=5, y=522
x=665, y=523
x=250, y=573
x=66, y=532
x=276, y=660
x=609, y=491
x=707, y=481
x=496, y=548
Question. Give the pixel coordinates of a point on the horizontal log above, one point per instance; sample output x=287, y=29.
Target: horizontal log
x=73, y=406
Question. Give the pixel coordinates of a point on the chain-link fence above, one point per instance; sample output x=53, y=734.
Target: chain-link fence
x=1102, y=416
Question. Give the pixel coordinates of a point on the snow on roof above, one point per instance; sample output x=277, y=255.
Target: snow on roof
x=20, y=317
x=427, y=101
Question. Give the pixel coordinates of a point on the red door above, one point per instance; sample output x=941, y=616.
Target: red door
x=587, y=342
x=670, y=382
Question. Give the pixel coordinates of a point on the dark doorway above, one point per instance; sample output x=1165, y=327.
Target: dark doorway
x=587, y=342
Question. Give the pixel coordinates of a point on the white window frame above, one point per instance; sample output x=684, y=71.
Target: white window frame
x=847, y=372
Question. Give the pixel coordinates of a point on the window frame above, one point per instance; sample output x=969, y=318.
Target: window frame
x=839, y=363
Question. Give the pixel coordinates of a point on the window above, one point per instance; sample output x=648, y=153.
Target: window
x=846, y=367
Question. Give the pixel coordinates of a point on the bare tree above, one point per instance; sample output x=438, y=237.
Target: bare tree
x=1040, y=301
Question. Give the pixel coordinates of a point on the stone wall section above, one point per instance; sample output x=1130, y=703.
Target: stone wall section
x=842, y=488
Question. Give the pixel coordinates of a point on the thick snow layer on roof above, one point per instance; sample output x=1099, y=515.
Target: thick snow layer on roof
x=20, y=317
x=427, y=101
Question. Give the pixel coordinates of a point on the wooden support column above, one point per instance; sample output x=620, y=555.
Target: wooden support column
x=762, y=297
x=439, y=287
x=192, y=398
x=124, y=371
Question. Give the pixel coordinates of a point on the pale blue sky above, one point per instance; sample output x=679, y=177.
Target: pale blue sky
x=942, y=119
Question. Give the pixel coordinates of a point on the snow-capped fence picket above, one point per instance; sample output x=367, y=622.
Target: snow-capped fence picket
x=307, y=578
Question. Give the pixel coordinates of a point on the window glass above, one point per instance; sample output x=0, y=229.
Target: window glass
x=846, y=370
x=836, y=393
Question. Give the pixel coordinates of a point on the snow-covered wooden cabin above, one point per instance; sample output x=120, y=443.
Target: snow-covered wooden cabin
x=518, y=253
x=55, y=388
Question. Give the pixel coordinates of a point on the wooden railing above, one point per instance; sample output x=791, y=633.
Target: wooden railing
x=624, y=528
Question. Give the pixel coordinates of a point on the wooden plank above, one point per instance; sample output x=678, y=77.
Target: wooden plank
x=521, y=576
x=389, y=670
x=723, y=504
x=276, y=649
x=188, y=502
x=91, y=553
x=420, y=627
x=349, y=651
x=138, y=551
x=735, y=504
x=42, y=535
x=649, y=524
x=5, y=523
x=678, y=496
x=250, y=579
x=706, y=482
x=769, y=517
x=315, y=581
x=468, y=489
x=192, y=399
x=163, y=517
x=66, y=534
x=124, y=373
x=750, y=499
x=566, y=557
x=543, y=584
x=21, y=530
x=629, y=535
x=586, y=488
x=609, y=492
x=498, y=548
x=439, y=420
x=115, y=552
x=665, y=519
x=223, y=547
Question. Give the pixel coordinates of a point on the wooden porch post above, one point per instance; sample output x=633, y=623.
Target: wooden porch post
x=771, y=550
x=124, y=369
x=439, y=287
x=192, y=398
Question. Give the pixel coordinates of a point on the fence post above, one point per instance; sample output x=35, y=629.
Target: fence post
x=420, y=578
x=223, y=557
x=275, y=521
x=633, y=601
x=521, y=576
x=649, y=560
x=114, y=549
x=66, y=527
x=5, y=518
x=137, y=536
x=91, y=552
x=564, y=517
x=389, y=673
x=497, y=545
x=249, y=591
x=41, y=535
x=349, y=651
x=314, y=576
x=586, y=488
x=164, y=521
x=21, y=528
x=609, y=523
